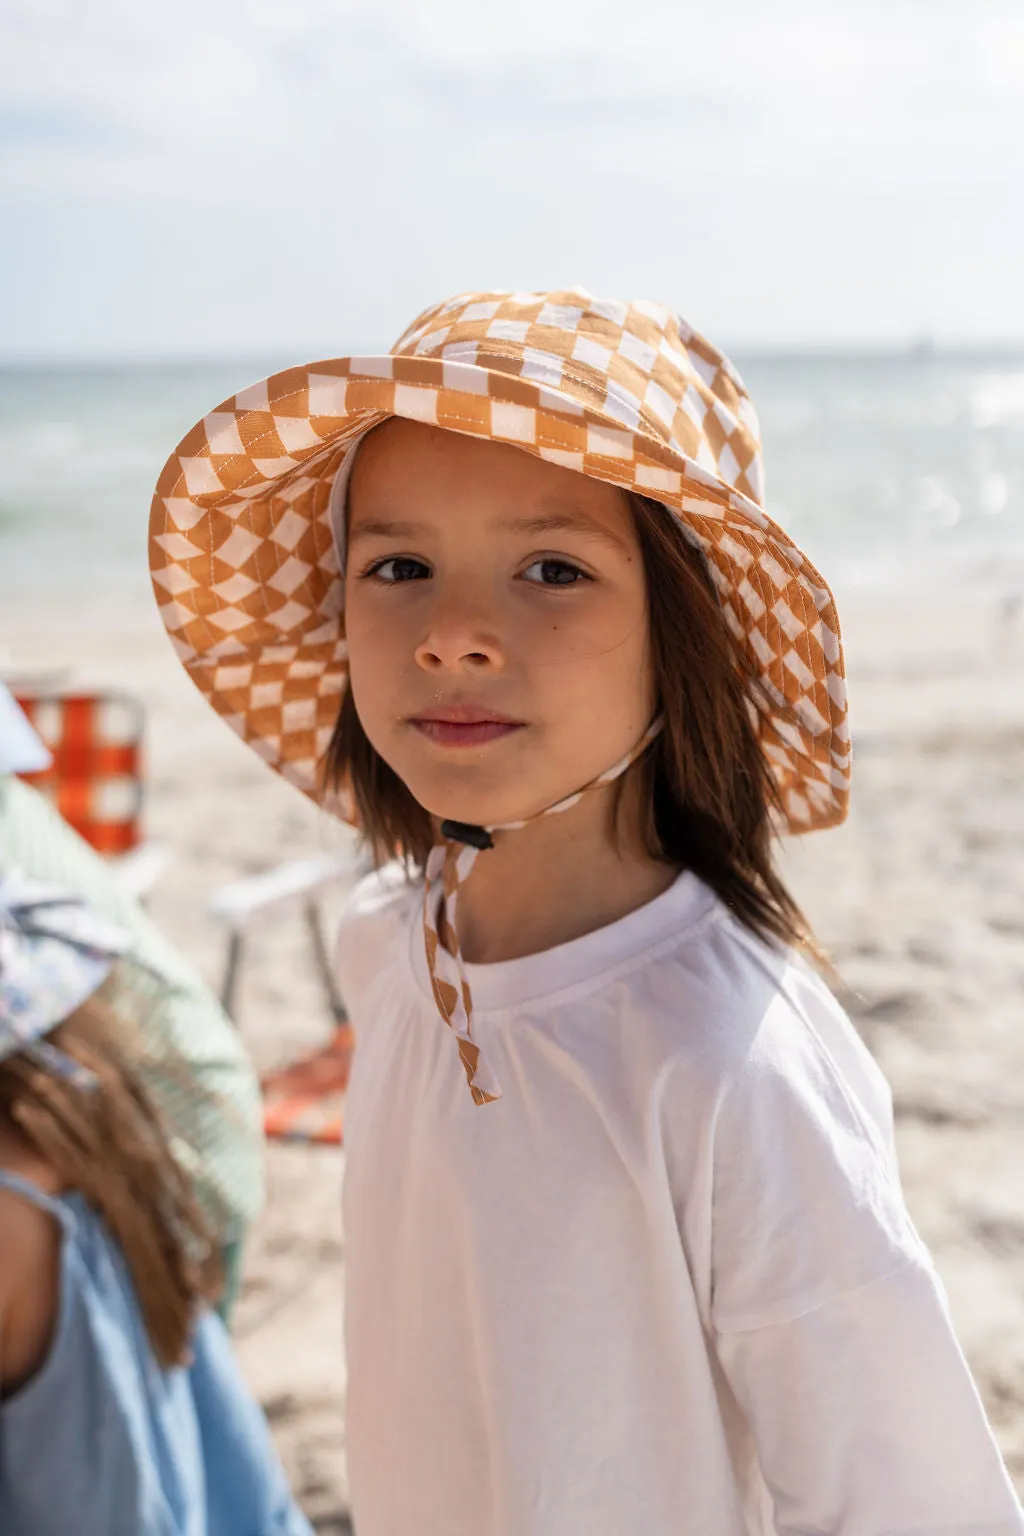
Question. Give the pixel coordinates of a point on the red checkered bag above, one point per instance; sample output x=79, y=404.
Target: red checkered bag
x=95, y=780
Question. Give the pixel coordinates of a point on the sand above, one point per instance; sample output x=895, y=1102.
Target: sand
x=919, y=899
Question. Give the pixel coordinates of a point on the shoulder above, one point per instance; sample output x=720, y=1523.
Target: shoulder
x=381, y=901
x=29, y=1271
x=804, y=1057
x=373, y=923
x=30, y=1237
x=712, y=986
x=757, y=1023
x=790, y=1120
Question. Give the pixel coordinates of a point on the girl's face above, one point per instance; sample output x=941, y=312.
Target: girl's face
x=497, y=622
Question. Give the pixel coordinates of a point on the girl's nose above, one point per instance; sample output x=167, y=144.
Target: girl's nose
x=458, y=639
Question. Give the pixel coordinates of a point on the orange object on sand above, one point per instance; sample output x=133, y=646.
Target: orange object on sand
x=303, y=1102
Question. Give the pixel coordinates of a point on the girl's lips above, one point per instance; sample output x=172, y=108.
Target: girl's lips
x=465, y=733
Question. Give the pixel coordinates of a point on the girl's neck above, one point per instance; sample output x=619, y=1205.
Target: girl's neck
x=19, y=1155
x=555, y=880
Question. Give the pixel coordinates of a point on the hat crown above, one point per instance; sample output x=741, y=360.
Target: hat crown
x=635, y=363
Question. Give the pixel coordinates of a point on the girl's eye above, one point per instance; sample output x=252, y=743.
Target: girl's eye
x=554, y=573
x=400, y=568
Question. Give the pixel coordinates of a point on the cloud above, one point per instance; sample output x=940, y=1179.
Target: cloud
x=222, y=87
x=200, y=159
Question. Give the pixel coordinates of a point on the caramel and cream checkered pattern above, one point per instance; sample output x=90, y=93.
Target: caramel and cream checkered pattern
x=246, y=571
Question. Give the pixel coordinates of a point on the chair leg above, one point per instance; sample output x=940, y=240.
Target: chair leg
x=325, y=971
x=231, y=970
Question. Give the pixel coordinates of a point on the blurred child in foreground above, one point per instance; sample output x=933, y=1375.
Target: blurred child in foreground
x=122, y=1410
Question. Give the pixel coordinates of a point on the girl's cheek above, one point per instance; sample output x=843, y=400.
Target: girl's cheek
x=368, y=624
x=583, y=643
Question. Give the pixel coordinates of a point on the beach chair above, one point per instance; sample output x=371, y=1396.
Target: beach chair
x=95, y=778
x=302, y=1102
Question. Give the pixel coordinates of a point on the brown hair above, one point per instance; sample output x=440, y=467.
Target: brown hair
x=707, y=787
x=107, y=1143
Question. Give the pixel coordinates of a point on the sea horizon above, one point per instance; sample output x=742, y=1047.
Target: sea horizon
x=900, y=467
x=920, y=348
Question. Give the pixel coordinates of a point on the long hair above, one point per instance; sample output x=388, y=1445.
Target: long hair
x=107, y=1143
x=707, y=789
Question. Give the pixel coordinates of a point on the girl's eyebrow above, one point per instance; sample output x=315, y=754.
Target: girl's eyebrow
x=567, y=522
x=384, y=529
x=550, y=522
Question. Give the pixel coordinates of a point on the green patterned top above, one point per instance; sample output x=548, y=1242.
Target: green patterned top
x=195, y=1066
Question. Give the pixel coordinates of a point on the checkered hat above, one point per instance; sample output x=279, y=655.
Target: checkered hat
x=247, y=573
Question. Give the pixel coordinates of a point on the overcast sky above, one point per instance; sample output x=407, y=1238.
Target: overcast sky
x=224, y=176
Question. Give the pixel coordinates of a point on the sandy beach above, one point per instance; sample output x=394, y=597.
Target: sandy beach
x=919, y=900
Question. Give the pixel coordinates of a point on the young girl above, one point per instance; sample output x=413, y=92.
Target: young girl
x=625, y=1244
x=122, y=1412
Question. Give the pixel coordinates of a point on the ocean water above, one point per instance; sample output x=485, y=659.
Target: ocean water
x=890, y=472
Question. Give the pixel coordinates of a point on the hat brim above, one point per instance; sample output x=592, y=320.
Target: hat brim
x=248, y=579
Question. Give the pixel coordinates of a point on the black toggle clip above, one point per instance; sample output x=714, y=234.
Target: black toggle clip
x=466, y=832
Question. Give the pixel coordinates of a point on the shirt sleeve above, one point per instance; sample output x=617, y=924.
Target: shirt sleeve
x=827, y=1316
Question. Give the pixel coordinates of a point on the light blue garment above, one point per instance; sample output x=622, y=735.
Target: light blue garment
x=102, y=1442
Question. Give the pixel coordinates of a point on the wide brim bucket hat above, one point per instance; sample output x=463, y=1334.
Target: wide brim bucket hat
x=244, y=525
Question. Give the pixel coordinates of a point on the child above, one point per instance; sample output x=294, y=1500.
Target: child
x=625, y=1244
x=122, y=1412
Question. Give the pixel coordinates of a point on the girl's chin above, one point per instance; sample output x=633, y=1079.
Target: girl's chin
x=483, y=811
x=469, y=794
x=472, y=807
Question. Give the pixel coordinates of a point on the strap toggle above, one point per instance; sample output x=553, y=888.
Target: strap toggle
x=466, y=832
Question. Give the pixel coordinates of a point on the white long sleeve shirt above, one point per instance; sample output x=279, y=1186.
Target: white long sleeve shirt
x=667, y=1284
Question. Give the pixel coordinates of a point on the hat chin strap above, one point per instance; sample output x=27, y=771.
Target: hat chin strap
x=448, y=867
